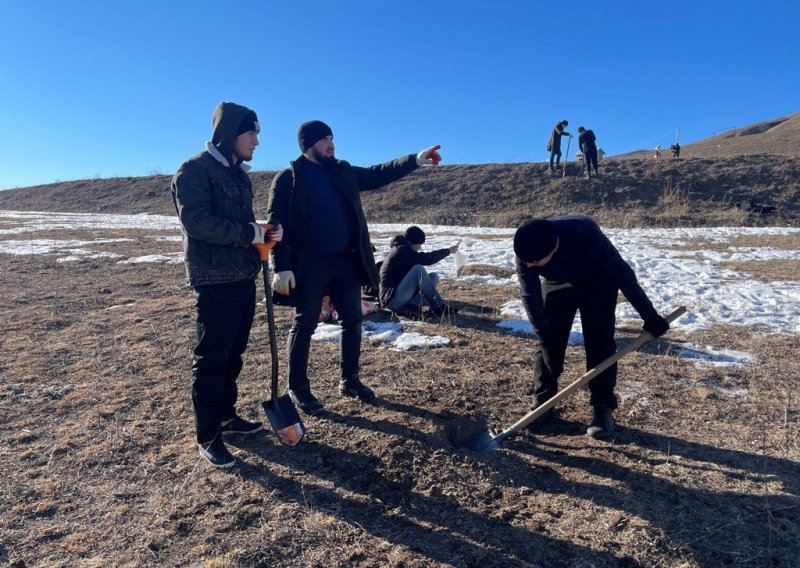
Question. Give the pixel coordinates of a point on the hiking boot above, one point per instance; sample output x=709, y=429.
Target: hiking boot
x=307, y=402
x=545, y=420
x=602, y=425
x=216, y=453
x=409, y=312
x=238, y=425
x=443, y=310
x=356, y=389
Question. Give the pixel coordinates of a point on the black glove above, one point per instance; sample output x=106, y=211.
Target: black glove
x=656, y=325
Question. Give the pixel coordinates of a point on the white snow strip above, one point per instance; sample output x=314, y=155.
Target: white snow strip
x=172, y=258
x=715, y=357
x=393, y=335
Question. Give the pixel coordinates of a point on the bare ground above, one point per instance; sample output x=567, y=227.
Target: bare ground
x=99, y=465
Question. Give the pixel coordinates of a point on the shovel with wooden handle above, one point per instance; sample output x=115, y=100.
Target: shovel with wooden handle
x=280, y=411
x=489, y=441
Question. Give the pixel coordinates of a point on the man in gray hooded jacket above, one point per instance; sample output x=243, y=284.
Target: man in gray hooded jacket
x=213, y=197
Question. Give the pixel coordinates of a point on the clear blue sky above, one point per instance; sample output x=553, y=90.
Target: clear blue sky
x=104, y=88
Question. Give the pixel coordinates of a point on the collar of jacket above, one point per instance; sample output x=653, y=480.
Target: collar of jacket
x=211, y=149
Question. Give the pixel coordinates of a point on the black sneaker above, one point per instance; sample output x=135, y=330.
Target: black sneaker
x=238, y=425
x=307, y=402
x=409, y=312
x=216, y=453
x=602, y=425
x=443, y=310
x=356, y=389
x=546, y=420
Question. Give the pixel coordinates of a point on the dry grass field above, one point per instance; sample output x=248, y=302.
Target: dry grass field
x=98, y=465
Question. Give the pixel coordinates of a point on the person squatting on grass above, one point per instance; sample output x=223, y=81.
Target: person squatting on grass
x=583, y=272
x=405, y=285
x=213, y=198
x=327, y=250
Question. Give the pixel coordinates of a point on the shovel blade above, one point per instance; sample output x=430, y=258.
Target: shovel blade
x=484, y=442
x=285, y=421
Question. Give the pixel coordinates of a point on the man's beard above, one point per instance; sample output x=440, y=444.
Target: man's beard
x=323, y=159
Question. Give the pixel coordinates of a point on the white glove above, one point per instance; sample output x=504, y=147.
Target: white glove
x=260, y=235
x=276, y=234
x=283, y=282
x=429, y=157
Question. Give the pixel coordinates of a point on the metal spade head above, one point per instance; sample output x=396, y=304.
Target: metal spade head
x=285, y=421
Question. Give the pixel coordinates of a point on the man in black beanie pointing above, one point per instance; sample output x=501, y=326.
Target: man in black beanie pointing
x=326, y=250
x=582, y=271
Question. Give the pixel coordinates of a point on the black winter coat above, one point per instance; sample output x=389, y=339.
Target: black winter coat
x=288, y=204
x=586, y=142
x=214, y=203
x=399, y=261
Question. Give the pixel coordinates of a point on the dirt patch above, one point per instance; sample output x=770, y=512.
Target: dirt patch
x=782, y=242
x=767, y=270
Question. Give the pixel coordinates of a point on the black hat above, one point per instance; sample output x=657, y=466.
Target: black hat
x=535, y=239
x=249, y=122
x=565, y=123
x=415, y=235
x=581, y=129
x=311, y=132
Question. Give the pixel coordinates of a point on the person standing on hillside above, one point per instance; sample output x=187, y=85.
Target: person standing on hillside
x=327, y=250
x=657, y=152
x=676, y=150
x=588, y=145
x=213, y=198
x=554, y=143
x=583, y=272
x=405, y=285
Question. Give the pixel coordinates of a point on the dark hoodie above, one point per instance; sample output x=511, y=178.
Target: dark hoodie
x=214, y=202
x=399, y=261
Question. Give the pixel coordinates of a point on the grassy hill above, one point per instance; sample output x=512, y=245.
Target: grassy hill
x=630, y=192
x=770, y=139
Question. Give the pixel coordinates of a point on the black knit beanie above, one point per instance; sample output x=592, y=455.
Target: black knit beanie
x=415, y=235
x=312, y=132
x=535, y=239
x=249, y=122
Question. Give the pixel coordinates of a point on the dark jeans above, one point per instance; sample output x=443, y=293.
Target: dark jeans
x=590, y=157
x=557, y=155
x=597, y=305
x=337, y=276
x=224, y=315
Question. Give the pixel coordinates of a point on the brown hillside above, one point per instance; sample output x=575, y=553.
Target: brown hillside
x=631, y=192
x=775, y=137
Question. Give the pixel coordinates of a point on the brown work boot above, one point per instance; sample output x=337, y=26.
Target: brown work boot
x=602, y=425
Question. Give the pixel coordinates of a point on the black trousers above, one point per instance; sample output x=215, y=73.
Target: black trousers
x=590, y=157
x=597, y=306
x=224, y=316
x=337, y=276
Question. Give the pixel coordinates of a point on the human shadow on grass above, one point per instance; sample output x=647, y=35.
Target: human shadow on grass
x=719, y=527
x=438, y=527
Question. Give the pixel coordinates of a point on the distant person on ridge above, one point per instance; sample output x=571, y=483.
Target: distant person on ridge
x=583, y=272
x=587, y=143
x=213, y=197
x=657, y=151
x=554, y=143
x=327, y=250
x=405, y=285
x=676, y=150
